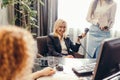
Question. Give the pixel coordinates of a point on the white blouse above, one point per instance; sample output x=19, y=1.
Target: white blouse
x=63, y=46
x=104, y=14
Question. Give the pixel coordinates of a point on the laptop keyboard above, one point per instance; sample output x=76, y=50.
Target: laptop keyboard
x=84, y=70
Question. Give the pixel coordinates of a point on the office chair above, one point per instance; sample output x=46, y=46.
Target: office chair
x=43, y=49
x=42, y=45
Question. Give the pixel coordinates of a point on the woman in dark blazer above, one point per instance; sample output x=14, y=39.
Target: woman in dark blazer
x=59, y=44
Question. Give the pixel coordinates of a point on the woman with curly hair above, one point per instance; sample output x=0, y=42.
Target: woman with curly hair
x=17, y=55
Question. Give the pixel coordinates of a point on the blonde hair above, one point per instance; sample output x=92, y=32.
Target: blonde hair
x=15, y=52
x=57, y=24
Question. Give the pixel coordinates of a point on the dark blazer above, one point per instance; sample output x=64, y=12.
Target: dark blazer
x=54, y=47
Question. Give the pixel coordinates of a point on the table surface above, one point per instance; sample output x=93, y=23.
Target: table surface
x=67, y=73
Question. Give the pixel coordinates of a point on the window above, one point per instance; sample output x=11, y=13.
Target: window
x=75, y=12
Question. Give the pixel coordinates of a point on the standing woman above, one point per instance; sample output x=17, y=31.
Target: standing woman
x=101, y=15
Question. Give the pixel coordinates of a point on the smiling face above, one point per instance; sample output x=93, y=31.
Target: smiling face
x=61, y=29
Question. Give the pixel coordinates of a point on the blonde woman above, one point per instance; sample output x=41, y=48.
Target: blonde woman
x=101, y=15
x=17, y=55
x=58, y=42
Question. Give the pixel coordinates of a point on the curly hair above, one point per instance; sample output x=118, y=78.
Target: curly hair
x=14, y=52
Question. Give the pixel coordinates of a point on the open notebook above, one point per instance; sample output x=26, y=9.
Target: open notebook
x=108, y=61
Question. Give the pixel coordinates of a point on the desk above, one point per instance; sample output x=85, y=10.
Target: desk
x=67, y=73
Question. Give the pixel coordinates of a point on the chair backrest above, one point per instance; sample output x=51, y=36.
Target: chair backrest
x=42, y=45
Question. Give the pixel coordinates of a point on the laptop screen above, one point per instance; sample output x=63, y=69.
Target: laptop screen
x=108, y=61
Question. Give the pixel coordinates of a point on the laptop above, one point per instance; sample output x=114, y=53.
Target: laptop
x=108, y=61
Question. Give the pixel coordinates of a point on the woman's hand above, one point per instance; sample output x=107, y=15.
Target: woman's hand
x=48, y=71
x=80, y=37
x=104, y=28
x=69, y=56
